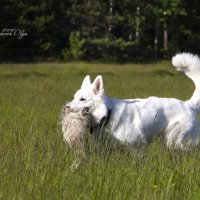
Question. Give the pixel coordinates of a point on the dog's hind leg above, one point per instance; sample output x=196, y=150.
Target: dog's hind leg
x=181, y=136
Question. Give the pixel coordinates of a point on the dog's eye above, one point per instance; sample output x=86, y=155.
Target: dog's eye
x=82, y=99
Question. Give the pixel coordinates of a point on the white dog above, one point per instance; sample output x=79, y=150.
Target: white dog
x=139, y=120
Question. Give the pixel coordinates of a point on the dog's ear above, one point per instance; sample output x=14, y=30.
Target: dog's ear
x=97, y=85
x=86, y=82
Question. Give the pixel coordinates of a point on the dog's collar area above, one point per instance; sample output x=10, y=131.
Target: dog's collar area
x=106, y=119
x=103, y=123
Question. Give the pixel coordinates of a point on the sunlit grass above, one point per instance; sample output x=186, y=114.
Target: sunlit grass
x=34, y=161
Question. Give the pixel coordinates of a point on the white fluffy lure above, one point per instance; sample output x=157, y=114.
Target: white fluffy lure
x=74, y=125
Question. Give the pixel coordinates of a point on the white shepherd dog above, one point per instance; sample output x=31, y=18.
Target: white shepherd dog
x=134, y=121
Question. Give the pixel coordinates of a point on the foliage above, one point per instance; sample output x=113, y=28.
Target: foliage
x=51, y=26
x=76, y=45
x=76, y=50
x=116, y=50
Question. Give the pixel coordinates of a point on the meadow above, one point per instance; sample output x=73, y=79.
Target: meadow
x=35, y=162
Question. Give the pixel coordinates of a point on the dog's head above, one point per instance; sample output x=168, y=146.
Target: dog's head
x=91, y=97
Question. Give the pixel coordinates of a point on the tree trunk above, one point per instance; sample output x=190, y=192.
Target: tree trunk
x=137, y=33
x=111, y=14
x=165, y=36
x=156, y=40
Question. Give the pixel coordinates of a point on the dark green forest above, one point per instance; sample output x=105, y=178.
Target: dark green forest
x=103, y=30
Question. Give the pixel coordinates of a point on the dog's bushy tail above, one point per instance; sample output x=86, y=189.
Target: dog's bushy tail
x=190, y=65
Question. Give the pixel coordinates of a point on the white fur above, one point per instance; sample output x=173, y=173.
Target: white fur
x=139, y=120
x=190, y=65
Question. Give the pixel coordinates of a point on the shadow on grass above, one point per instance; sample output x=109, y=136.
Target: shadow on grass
x=161, y=72
x=23, y=75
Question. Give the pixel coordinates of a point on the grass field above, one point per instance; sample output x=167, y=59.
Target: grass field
x=34, y=161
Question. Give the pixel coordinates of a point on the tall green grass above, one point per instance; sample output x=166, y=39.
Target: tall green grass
x=35, y=163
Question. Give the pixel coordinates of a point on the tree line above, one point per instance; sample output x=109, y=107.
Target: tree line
x=106, y=30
